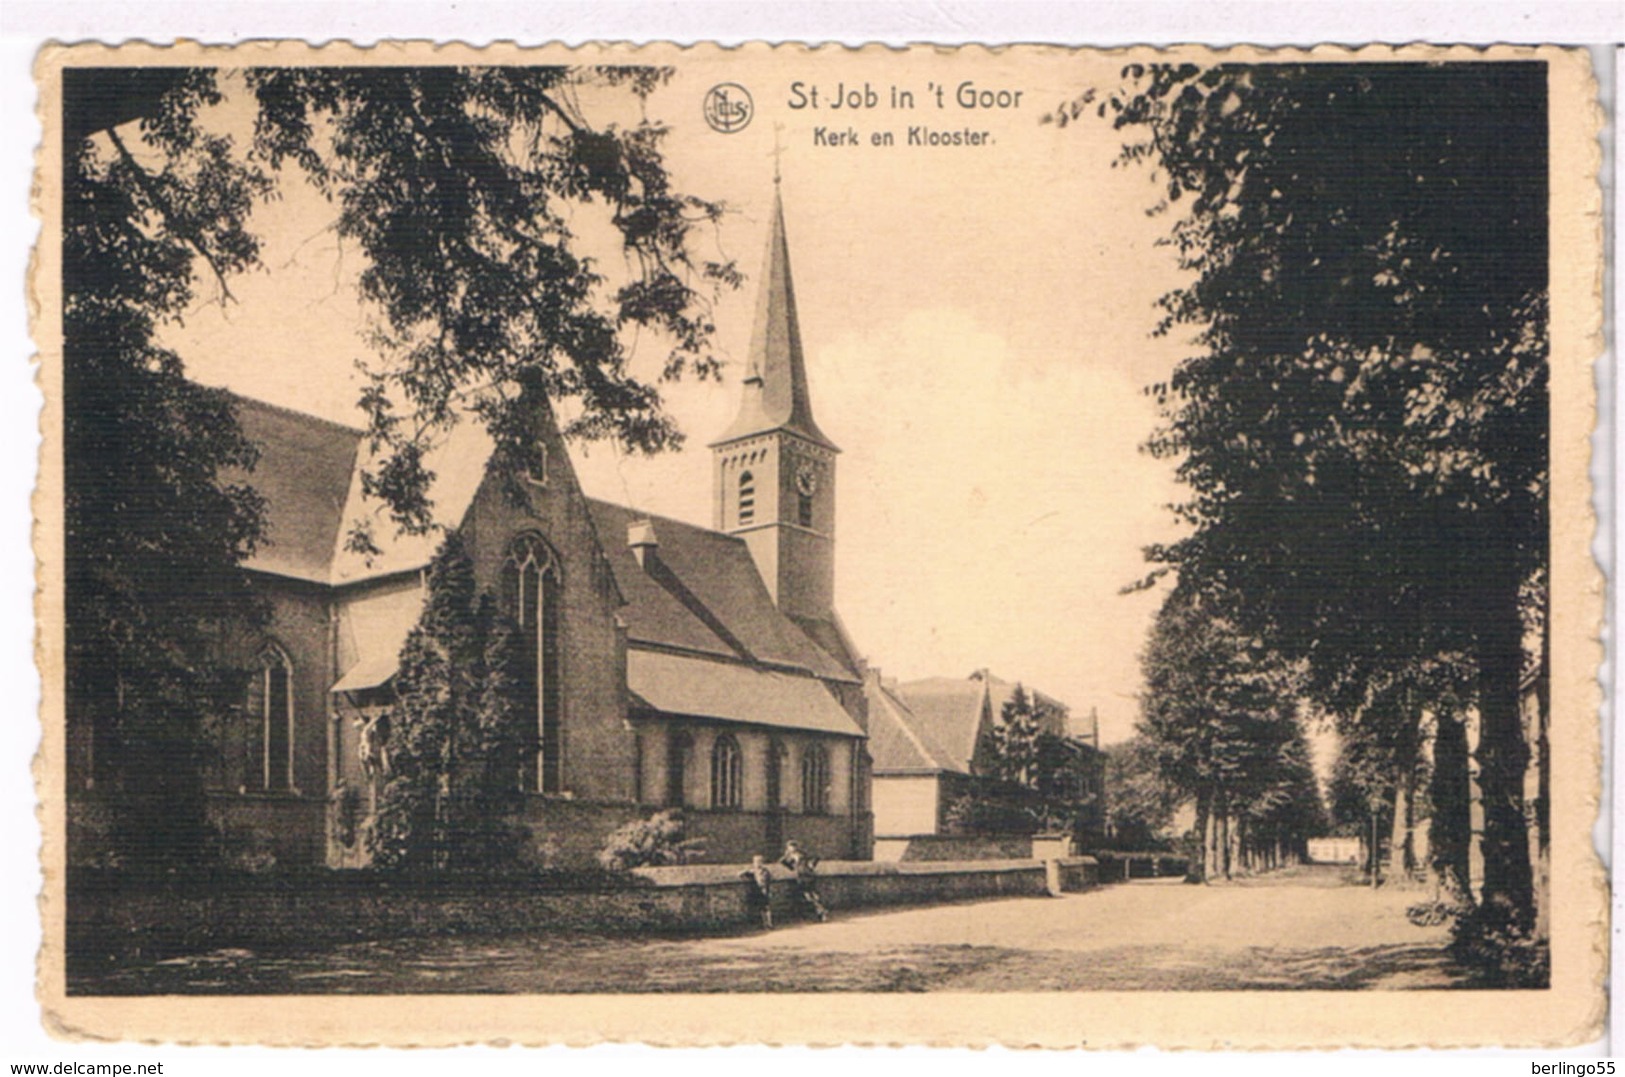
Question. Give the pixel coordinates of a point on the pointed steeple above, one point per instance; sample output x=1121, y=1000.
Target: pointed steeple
x=775, y=393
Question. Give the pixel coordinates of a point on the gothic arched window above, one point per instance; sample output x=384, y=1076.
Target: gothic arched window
x=815, y=780
x=726, y=773
x=530, y=579
x=747, y=497
x=269, y=708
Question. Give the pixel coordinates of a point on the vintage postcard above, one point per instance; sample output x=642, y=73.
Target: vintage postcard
x=697, y=545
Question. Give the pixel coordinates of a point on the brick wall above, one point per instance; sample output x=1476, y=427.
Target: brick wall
x=598, y=748
x=106, y=918
x=292, y=830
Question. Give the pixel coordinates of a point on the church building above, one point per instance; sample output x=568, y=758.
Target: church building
x=674, y=665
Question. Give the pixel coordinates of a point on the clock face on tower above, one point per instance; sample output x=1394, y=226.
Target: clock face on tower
x=807, y=479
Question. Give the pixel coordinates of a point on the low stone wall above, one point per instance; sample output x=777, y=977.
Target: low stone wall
x=940, y=847
x=852, y=884
x=1120, y=867
x=107, y=921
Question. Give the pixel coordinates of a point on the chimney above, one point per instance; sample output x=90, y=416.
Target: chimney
x=640, y=536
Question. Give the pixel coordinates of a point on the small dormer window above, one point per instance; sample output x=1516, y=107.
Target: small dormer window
x=536, y=474
x=747, y=498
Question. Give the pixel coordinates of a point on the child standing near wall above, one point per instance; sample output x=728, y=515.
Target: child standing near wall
x=805, y=865
x=760, y=895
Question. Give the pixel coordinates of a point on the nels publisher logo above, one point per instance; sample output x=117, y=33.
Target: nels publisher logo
x=728, y=107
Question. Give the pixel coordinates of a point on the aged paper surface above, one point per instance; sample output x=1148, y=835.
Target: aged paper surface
x=973, y=313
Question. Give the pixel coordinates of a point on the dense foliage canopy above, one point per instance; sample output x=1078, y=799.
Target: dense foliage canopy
x=464, y=188
x=1362, y=424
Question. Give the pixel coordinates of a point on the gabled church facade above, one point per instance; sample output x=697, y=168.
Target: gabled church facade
x=674, y=665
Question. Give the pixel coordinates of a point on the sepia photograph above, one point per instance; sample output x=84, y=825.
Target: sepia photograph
x=1102, y=533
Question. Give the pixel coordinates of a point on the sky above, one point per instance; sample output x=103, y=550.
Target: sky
x=977, y=328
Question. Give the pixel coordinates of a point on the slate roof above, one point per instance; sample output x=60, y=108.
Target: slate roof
x=309, y=474
x=933, y=724
x=999, y=692
x=304, y=475
x=948, y=711
x=706, y=688
x=458, y=463
x=775, y=393
x=700, y=591
x=898, y=743
x=372, y=628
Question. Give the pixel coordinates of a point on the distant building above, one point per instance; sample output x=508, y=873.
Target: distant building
x=930, y=741
x=1348, y=850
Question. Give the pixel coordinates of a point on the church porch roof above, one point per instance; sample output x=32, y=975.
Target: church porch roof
x=733, y=692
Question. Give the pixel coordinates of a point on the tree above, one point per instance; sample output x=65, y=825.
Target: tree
x=1028, y=778
x=460, y=185
x=1013, y=741
x=466, y=189
x=1363, y=426
x=154, y=534
x=457, y=741
x=1142, y=803
x=1284, y=808
x=1219, y=715
x=1362, y=793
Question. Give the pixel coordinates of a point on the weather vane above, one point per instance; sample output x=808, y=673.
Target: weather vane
x=778, y=152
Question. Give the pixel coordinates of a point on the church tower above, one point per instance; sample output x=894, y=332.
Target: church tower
x=774, y=470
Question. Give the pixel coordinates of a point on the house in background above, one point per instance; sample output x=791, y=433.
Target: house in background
x=930, y=741
x=672, y=665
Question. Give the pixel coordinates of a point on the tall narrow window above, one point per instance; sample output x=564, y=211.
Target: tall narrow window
x=775, y=775
x=531, y=583
x=815, y=780
x=804, y=515
x=726, y=773
x=536, y=474
x=269, y=708
x=747, y=498
x=637, y=767
x=677, y=751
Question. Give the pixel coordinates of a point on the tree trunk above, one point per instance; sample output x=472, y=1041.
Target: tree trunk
x=1399, y=839
x=1503, y=757
x=1211, y=863
x=1196, y=870
x=1543, y=761
x=1373, y=859
x=1450, y=833
x=1402, y=846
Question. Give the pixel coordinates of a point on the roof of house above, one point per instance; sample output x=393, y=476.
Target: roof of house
x=898, y=743
x=933, y=724
x=948, y=711
x=1000, y=692
x=699, y=590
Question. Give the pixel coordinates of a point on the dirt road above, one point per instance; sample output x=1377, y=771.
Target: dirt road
x=1299, y=930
